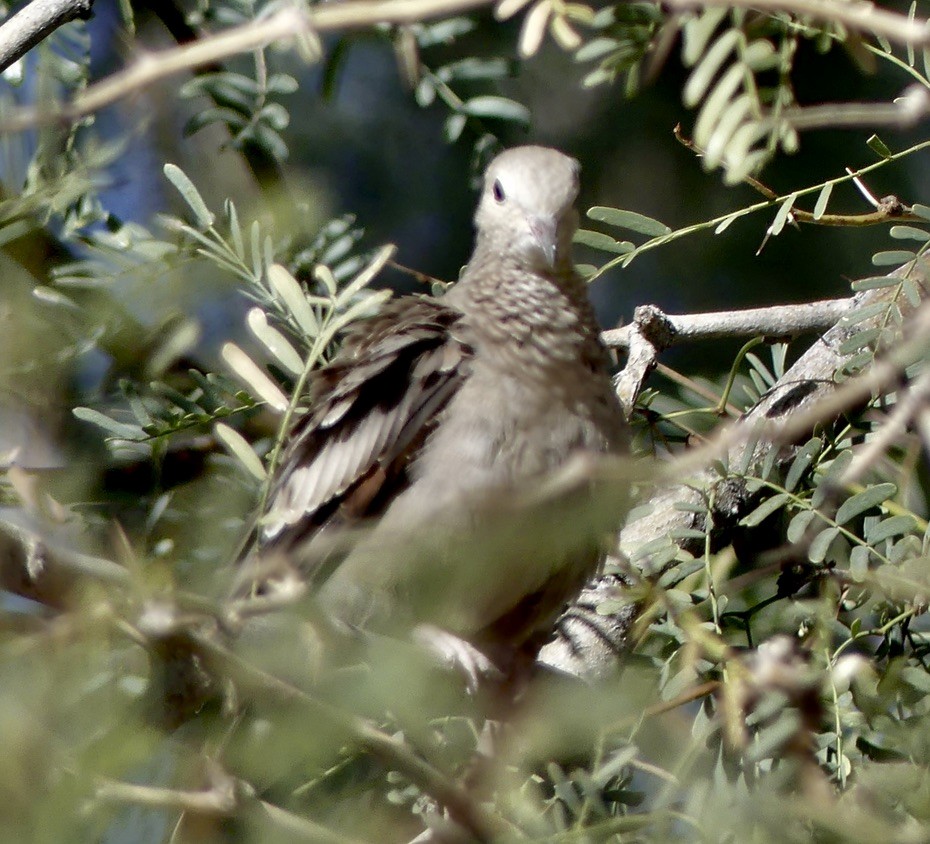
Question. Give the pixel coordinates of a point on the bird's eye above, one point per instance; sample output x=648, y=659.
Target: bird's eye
x=498, y=191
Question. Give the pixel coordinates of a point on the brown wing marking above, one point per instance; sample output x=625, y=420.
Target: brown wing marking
x=371, y=410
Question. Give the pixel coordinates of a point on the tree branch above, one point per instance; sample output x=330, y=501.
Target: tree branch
x=591, y=644
x=288, y=24
x=482, y=823
x=653, y=331
x=777, y=322
x=225, y=797
x=34, y=23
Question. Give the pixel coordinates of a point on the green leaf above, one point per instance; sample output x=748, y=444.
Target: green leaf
x=765, y=509
x=253, y=377
x=875, y=282
x=892, y=258
x=781, y=216
x=859, y=340
x=698, y=31
x=768, y=463
x=121, y=430
x=475, y=68
x=500, y=108
x=368, y=274
x=235, y=230
x=864, y=313
x=628, y=220
x=275, y=115
x=877, y=145
x=704, y=73
x=760, y=55
x=916, y=678
x=445, y=31
x=237, y=445
x=274, y=341
x=604, y=242
x=856, y=364
x=595, y=49
x=817, y=551
x=921, y=210
x=822, y=199
x=798, y=525
x=912, y=291
x=51, y=296
x=269, y=140
x=735, y=115
x=190, y=194
x=425, y=92
x=726, y=89
x=364, y=306
x=653, y=546
x=887, y=528
x=910, y=233
x=724, y=224
x=859, y=562
x=802, y=462
x=771, y=739
x=281, y=83
x=865, y=500
x=291, y=293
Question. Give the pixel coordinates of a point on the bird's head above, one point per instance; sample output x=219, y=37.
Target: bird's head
x=527, y=206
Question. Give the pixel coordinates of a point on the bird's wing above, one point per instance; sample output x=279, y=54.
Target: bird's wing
x=371, y=410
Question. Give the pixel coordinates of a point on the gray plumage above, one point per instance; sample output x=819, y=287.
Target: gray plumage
x=438, y=413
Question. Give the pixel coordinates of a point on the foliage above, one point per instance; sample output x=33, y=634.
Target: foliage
x=774, y=681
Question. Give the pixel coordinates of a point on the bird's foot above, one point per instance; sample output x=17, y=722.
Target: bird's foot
x=457, y=654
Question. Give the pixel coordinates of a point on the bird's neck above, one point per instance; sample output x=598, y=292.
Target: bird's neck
x=544, y=316
x=493, y=273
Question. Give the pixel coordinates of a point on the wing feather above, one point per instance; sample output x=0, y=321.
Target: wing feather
x=370, y=412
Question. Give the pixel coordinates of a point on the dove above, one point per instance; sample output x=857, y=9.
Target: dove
x=441, y=417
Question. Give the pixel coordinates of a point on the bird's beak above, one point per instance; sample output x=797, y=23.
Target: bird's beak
x=545, y=233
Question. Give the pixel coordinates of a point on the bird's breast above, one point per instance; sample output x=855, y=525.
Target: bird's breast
x=502, y=429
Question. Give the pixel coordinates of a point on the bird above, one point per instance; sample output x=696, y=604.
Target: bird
x=436, y=422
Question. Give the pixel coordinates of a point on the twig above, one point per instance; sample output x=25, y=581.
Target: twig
x=653, y=331
x=590, y=643
x=462, y=808
x=34, y=23
x=699, y=390
x=225, y=797
x=776, y=322
x=218, y=799
x=914, y=402
x=887, y=210
x=859, y=16
x=288, y=24
x=895, y=209
x=775, y=429
x=908, y=109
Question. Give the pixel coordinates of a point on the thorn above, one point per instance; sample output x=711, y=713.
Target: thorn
x=863, y=189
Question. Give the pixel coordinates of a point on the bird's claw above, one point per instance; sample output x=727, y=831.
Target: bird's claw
x=456, y=653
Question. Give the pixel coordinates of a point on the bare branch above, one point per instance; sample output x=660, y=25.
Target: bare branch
x=653, y=331
x=483, y=824
x=219, y=799
x=902, y=113
x=288, y=24
x=914, y=403
x=888, y=209
x=778, y=321
x=591, y=644
x=34, y=23
x=225, y=797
